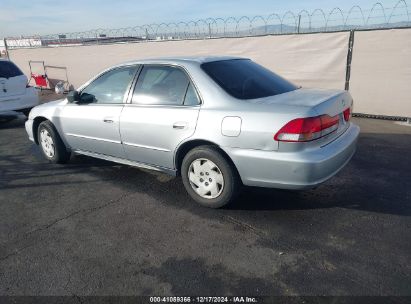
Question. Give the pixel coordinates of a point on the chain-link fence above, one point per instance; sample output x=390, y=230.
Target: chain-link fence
x=317, y=20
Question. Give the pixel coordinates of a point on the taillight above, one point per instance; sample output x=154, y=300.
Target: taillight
x=307, y=129
x=347, y=114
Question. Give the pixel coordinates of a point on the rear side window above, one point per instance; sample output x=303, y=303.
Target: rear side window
x=244, y=79
x=191, y=98
x=9, y=69
x=164, y=85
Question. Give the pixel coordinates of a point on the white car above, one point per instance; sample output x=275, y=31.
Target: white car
x=15, y=93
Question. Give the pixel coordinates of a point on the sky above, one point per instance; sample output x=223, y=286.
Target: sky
x=31, y=17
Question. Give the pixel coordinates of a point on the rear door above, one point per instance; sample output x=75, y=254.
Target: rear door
x=163, y=112
x=92, y=125
x=12, y=81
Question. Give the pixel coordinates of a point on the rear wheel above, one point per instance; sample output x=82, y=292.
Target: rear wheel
x=209, y=178
x=51, y=144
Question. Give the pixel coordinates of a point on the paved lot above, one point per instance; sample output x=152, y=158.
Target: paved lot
x=97, y=228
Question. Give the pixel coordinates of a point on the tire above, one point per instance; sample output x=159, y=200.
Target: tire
x=209, y=178
x=51, y=145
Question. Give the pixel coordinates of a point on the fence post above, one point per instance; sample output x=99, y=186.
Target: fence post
x=6, y=48
x=349, y=59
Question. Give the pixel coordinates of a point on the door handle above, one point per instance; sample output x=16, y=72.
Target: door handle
x=180, y=125
x=108, y=120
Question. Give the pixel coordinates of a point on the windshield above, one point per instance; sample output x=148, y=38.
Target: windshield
x=244, y=79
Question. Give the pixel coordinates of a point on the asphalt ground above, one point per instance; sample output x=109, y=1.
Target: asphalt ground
x=93, y=227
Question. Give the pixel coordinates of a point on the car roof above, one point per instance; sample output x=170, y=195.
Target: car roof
x=182, y=60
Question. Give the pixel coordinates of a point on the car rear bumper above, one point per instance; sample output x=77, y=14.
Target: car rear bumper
x=19, y=102
x=295, y=170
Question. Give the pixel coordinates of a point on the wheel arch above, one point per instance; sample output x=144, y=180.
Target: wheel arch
x=36, y=122
x=187, y=146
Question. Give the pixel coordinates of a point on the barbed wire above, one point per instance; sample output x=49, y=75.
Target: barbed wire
x=289, y=22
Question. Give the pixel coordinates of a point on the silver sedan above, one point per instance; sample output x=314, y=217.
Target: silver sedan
x=219, y=122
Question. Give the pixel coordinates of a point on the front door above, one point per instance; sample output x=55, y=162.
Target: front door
x=162, y=113
x=92, y=124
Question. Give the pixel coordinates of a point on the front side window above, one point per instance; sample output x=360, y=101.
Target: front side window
x=244, y=79
x=163, y=85
x=110, y=87
x=9, y=69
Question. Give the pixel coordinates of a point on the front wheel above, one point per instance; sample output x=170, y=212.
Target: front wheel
x=209, y=178
x=51, y=144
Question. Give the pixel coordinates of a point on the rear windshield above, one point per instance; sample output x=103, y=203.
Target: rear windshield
x=9, y=69
x=244, y=79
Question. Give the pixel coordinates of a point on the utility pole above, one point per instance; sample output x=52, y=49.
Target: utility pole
x=299, y=22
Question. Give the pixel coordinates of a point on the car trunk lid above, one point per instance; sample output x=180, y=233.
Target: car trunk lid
x=12, y=86
x=319, y=102
x=12, y=81
x=301, y=97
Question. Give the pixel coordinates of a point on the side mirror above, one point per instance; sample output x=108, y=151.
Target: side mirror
x=73, y=96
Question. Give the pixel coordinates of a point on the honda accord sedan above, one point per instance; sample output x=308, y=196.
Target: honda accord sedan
x=219, y=122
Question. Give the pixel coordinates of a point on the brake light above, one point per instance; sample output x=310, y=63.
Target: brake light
x=307, y=129
x=347, y=114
